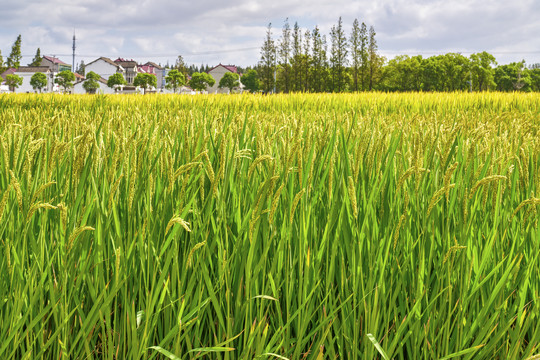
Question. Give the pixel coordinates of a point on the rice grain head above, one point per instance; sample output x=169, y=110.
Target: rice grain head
x=295, y=203
x=352, y=196
x=177, y=220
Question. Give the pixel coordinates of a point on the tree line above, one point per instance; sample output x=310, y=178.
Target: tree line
x=308, y=61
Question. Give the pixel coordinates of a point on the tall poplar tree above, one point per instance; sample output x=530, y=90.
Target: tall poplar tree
x=338, y=57
x=306, y=61
x=364, y=64
x=267, y=64
x=284, y=58
x=36, y=61
x=14, y=58
x=296, y=58
x=318, y=68
x=373, y=58
x=356, y=53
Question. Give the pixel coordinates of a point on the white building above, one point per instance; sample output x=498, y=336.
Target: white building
x=104, y=67
x=26, y=73
x=103, y=88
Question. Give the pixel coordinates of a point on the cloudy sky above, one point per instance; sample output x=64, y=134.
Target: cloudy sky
x=211, y=31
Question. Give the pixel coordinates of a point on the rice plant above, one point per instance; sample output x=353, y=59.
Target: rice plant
x=392, y=226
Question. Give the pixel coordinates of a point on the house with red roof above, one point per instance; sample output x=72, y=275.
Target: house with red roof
x=217, y=73
x=54, y=64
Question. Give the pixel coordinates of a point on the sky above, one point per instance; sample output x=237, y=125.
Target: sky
x=232, y=32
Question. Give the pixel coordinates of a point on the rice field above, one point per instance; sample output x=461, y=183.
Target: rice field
x=353, y=226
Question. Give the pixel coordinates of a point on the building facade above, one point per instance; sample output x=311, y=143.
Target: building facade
x=104, y=67
x=217, y=73
x=54, y=64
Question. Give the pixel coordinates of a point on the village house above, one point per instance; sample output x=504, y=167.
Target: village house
x=217, y=73
x=104, y=67
x=54, y=64
x=130, y=69
x=26, y=73
x=78, y=87
x=159, y=71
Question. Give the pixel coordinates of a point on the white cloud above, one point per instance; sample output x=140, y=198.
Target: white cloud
x=204, y=31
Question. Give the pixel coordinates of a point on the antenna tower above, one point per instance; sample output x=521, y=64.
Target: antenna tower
x=73, y=68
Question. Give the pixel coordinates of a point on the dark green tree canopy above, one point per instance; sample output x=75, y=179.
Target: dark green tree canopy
x=91, y=83
x=13, y=81
x=482, y=71
x=116, y=79
x=229, y=80
x=250, y=80
x=145, y=81
x=175, y=79
x=199, y=81
x=38, y=81
x=65, y=79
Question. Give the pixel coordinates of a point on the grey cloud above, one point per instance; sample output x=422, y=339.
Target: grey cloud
x=139, y=27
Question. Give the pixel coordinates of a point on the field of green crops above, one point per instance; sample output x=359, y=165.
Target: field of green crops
x=369, y=226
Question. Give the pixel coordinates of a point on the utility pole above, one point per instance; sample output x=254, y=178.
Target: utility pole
x=73, y=68
x=275, y=70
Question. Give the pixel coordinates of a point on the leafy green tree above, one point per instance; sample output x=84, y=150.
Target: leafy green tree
x=402, y=73
x=456, y=72
x=229, y=80
x=482, y=71
x=65, y=79
x=513, y=77
x=534, y=74
x=433, y=74
x=14, y=58
x=267, y=62
x=36, y=61
x=175, y=79
x=115, y=80
x=250, y=80
x=38, y=81
x=199, y=81
x=91, y=83
x=13, y=81
x=145, y=81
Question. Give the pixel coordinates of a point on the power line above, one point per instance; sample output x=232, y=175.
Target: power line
x=458, y=52
x=212, y=52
